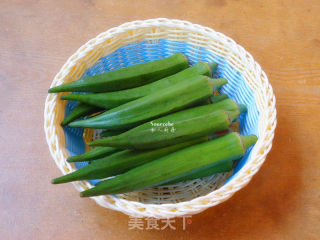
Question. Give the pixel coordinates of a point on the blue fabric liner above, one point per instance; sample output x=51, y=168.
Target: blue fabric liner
x=145, y=51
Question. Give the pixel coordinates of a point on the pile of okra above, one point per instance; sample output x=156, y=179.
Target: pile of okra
x=162, y=123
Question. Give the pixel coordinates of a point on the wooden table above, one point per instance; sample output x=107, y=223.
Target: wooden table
x=281, y=202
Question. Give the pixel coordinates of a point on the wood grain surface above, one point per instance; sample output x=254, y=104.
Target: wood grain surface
x=281, y=202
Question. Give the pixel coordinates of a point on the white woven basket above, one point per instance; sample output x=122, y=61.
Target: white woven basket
x=188, y=197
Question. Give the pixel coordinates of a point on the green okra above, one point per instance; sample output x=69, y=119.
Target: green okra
x=127, y=77
x=175, y=165
x=95, y=153
x=108, y=133
x=120, y=162
x=159, y=103
x=81, y=110
x=225, y=166
x=113, y=99
x=218, y=98
x=187, y=122
x=173, y=128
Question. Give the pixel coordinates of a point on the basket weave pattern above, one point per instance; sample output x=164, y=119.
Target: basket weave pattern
x=180, y=31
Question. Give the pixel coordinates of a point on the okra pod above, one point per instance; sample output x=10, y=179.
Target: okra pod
x=172, y=129
x=127, y=77
x=95, y=153
x=121, y=162
x=81, y=110
x=225, y=166
x=159, y=103
x=175, y=165
x=113, y=99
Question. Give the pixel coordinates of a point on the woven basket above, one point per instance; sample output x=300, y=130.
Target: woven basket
x=142, y=41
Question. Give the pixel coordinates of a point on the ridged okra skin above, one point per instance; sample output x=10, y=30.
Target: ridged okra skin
x=121, y=162
x=128, y=77
x=95, y=153
x=108, y=133
x=150, y=136
x=162, y=102
x=224, y=166
x=176, y=127
x=81, y=110
x=218, y=98
x=110, y=100
x=178, y=164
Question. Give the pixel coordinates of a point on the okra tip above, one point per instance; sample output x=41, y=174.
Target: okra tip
x=222, y=81
x=82, y=194
x=54, y=89
x=72, y=159
x=88, y=193
x=65, y=97
x=242, y=108
x=56, y=181
x=248, y=140
x=97, y=190
x=70, y=177
x=212, y=66
x=218, y=82
x=76, y=124
x=181, y=55
x=97, y=142
x=65, y=122
x=233, y=115
x=218, y=98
